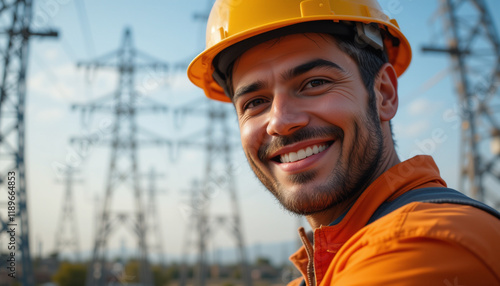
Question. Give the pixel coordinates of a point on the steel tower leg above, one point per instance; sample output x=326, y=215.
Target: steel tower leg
x=14, y=50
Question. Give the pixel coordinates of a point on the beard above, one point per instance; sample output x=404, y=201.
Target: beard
x=352, y=173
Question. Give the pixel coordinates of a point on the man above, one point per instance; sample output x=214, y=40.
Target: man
x=314, y=85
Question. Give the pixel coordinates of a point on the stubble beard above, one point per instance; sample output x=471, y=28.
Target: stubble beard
x=347, y=180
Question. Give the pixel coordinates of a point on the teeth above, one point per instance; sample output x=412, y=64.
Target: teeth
x=302, y=153
x=309, y=151
x=315, y=149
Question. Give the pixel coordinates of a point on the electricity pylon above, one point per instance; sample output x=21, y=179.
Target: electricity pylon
x=473, y=44
x=67, y=237
x=218, y=180
x=124, y=164
x=190, y=237
x=15, y=34
x=153, y=218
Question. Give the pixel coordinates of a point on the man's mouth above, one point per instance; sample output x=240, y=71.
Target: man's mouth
x=302, y=153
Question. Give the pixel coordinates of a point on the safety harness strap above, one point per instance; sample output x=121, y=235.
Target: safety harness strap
x=430, y=195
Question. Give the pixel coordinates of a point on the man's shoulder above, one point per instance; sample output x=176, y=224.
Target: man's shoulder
x=467, y=227
x=434, y=242
x=433, y=218
x=438, y=195
x=442, y=221
x=433, y=211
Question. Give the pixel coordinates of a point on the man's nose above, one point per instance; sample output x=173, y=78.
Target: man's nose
x=286, y=115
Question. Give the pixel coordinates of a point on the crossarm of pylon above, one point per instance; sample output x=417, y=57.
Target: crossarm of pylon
x=154, y=138
x=99, y=61
x=100, y=100
x=94, y=107
x=152, y=108
x=149, y=66
x=47, y=33
x=192, y=107
x=155, y=105
x=181, y=66
x=155, y=62
x=91, y=140
x=192, y=140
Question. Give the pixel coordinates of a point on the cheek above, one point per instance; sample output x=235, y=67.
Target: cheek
x=339, y=110
x=252, y=135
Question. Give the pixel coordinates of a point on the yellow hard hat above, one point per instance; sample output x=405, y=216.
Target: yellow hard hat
x=233, y=21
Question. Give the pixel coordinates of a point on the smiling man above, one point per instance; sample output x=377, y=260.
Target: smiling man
x=314, y=85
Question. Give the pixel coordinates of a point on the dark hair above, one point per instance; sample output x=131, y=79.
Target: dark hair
x=369, y=62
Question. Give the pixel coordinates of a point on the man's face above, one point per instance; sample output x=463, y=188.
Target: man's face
x=306, y=127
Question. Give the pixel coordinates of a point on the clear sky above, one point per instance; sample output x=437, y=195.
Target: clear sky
x=166, y=29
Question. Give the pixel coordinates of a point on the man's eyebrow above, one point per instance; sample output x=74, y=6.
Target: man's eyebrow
x=258, y=85
x=303, y=68
x=287, y=75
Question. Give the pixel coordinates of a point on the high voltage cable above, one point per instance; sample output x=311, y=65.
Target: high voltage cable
x=85, y=25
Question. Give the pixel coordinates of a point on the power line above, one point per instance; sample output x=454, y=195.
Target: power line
x=85, y=26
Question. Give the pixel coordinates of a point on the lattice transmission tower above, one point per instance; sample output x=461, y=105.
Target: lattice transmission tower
x=67, y=236
x=218, y=178
x=473, y=44
x=153, y=218
x=123, y=172
x=15, y=34
x=218, y=181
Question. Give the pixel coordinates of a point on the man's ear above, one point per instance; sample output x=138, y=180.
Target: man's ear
x=386, y=90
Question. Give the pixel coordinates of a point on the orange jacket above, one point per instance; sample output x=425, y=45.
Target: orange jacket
x=418, y=244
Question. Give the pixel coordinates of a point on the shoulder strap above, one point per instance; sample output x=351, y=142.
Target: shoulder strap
x=430, y=195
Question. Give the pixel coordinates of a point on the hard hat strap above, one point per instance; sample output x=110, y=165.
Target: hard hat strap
x=369, y=34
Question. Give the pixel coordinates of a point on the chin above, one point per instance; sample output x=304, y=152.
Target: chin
x=301, y=203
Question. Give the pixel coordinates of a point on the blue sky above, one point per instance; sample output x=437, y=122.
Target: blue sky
x=166, y=30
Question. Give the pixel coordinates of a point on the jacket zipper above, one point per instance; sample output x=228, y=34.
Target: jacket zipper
x=310, y=255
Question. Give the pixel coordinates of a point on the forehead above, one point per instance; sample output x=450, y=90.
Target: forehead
x=288, y=51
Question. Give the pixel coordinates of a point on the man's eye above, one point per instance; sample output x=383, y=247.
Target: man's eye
x=315, y=83
x=254, y=103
